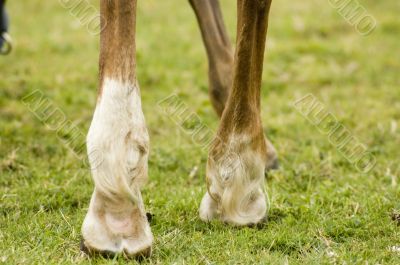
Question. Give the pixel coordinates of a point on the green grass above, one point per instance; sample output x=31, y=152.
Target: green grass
x=322, y=209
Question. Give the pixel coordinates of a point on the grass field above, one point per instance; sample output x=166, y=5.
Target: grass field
x=323, y=210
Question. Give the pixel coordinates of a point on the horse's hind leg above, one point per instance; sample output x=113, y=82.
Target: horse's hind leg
x=219, y=50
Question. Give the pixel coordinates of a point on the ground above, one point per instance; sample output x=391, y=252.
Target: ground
x=323, y=209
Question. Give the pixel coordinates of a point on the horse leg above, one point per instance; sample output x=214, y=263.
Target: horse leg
x=219, y=50
x=220, y=59
x=239, y=153
x=118, y=143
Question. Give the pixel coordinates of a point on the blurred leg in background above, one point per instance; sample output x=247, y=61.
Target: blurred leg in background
x=5, y=39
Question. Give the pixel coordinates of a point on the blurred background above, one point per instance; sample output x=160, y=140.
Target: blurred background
x=323, y=210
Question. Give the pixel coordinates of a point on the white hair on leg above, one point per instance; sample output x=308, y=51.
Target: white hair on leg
x=118, y=147
x=118, y=142
x=236, y=184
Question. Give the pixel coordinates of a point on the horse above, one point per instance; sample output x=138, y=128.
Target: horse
x=239, y=155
